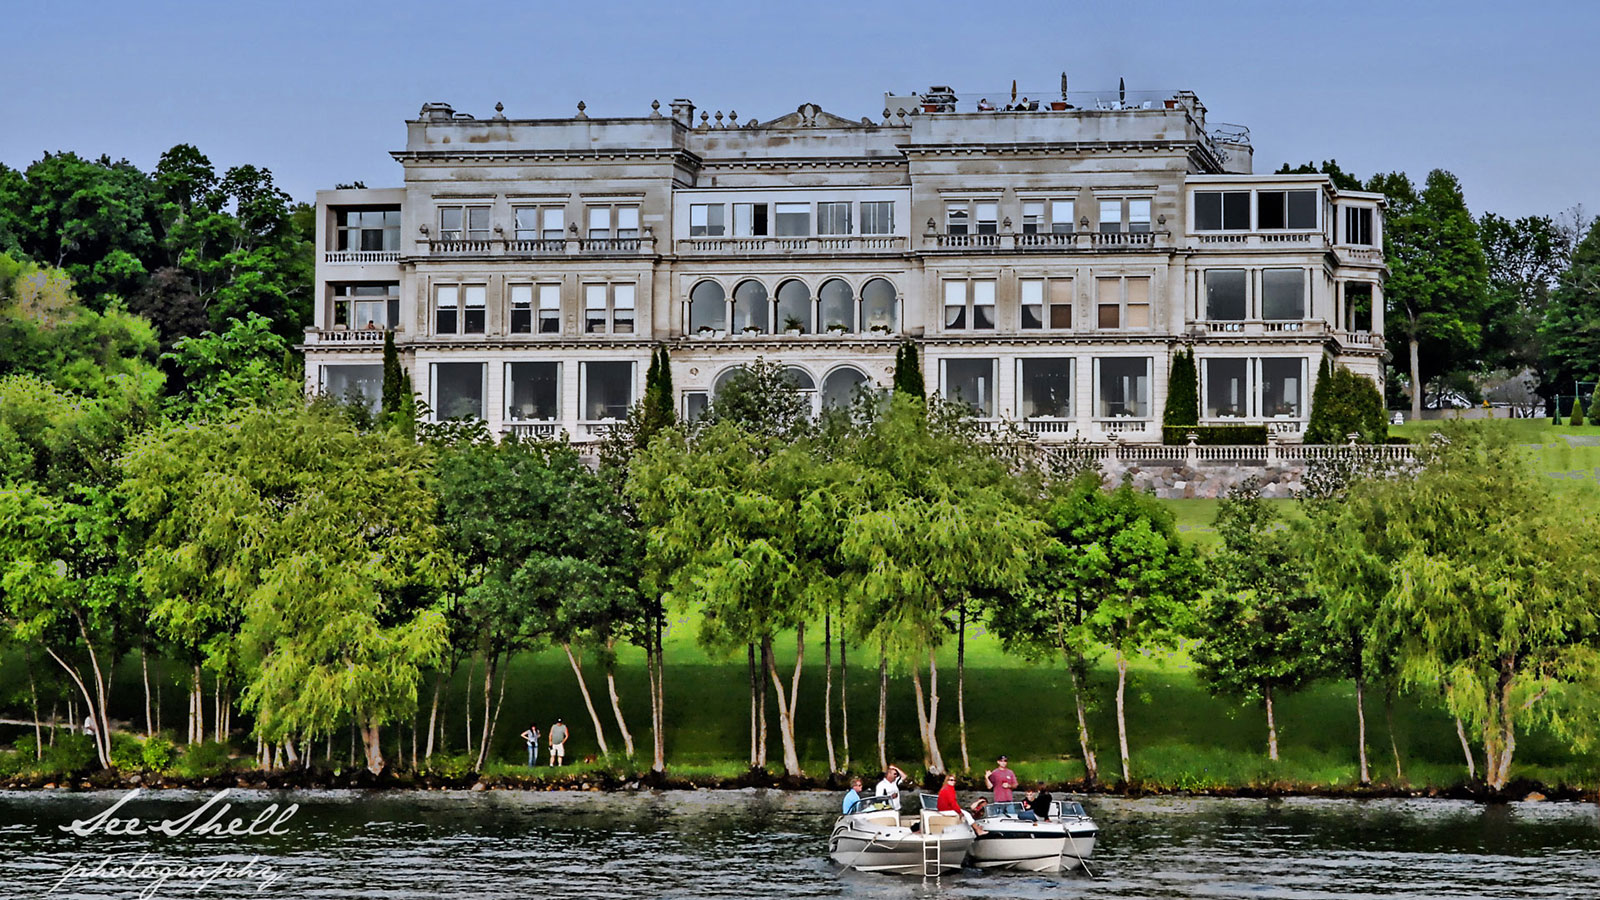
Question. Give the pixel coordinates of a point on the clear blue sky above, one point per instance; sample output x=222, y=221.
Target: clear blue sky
x=1505, y=95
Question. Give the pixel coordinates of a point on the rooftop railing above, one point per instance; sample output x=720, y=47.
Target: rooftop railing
x=1052, y=243
x=360, y=256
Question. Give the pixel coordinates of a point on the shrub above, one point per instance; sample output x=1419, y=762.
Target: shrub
x=203, y=760
x=1397, y=439
x=1577, y=413
x=446, y=766
x=73, y=753
x=1214, y=435
x=127, y=753
x=1183, y=392
x=159, y=753
x=1347, y=403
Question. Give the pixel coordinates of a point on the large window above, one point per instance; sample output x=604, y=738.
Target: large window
x=970, y=381
x=793, y=219
x=618, y=220
x=750, y=220
x=607, y=390
x=371, y=306
x=521, y=308
x=877, y=217
x=1283, y=294
x=1225, y=295
x=972, y=217
x=838, y=304
x=1122, y=387
x=549, y=309
x=794, y=306
x=358, y=385
x=750, y=306
x=1358, y=226
x=1225, y=388
x=839, y=387
x=969, y=304
x=540, y=223
x=706, y=219
x=608, y=308
x=458, y=391
x=1293, y=210
x=460, y=308
x=368, y=229
x=1282, y=383
x=833, y=218
x=458, y=223
x=533, y=391
x=1122, y=302
x=695, y=404
x=1139, y=216
x=879, y=306
x=1110, y=216
x=708, y=308
x=1046, y=303
x=1046, y=387
x=1357, y=306
x=957, y=218
x=1222, y=211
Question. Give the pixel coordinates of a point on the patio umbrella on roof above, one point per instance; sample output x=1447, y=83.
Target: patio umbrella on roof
x=1013, y=90
x=1122, y=91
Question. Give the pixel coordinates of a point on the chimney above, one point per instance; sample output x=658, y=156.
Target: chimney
x=436, y=112
x=683, y=112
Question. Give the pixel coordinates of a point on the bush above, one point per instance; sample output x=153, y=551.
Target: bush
x=1348, y=403
x=1214, y=435
x=1577, y=414
x=159, y=753
x=1183, y=392
x=127, y=753
x=446, y=766
x=1397, y=439
x=14, y=763
x=203, y=760
x=72, y=754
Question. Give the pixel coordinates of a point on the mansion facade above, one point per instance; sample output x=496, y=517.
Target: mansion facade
x=1047, y=260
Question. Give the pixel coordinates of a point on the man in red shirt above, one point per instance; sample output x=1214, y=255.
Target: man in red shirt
x=1001, y=781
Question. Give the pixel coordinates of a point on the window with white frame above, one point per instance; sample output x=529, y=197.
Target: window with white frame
x=1226, y=390
x=368, y=229
x=972, y=217
x=1221, y=210
x=1225, y=295
x=1358, y=226
x=1110, y=216
x=540, y=223
x=1047, y=216
x=957, y=218
x=1122, y=387
x=836, y=301
x=969, y=381
x=750, y=306
x=458, y=390
x=1282, y=383
x=708, y=308
x=607, y=390
x=792, y=219
x=357, y=385
x=460, y=308
x=1033, y=221
x=986, y=216
x=1122, y=302
x=1061, y=212
x=520, y=301
x=750, y=220
x=695, y=404
x=1291, y=210
x=706, y=219
x=833, y=218
x=366, y=306
x=1046, y=302
x=463, y=223
x=1045, y=385
x=549, y=309
x=1138, y=216
x=533, y=391
x=608, y=308
x=613, y=220
x=1283, y=294
x=877, y=217
x=1357, y=306
x=969, y=304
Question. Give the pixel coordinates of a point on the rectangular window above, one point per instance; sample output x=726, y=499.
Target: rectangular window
x=355, y=385
x=1110, y=315
x=1358, y=226
x=983, y=304
x=368, y=229
x=450, y=223
x=969, y=301
x=877, y=217
x=1283, y=294
x=955, y=304
x=549, y=309
x=971, y=381
x=1031, y=298
x=750, y=220
x=607, y=390
x=594, y=309
x=1357, y=306
x=1293, y=210
x=533, y=391
x=1061, y=303
x=526, y=219
x=1122, y=387
x=622, y=308
x=1032, y=216
x=1037, y=312
x=792, y=219
x=366, y=306
x=1222, y=211
x=458, y=223
x=521, y=308
x=833, y=218
x=599, y=221
x=1123, y=302
x=1282, y=381
x=608, y=308
x=705, y=219
x=477, y=223
x=955, y=218
x=446, y=309
x=1061, y=216
x=1139, y=216
x=987, y=216
x=1137, y=291
x=457, y=391
x=695, y=404
x=1225, y=388
x=1046, y=387
x=540, y=223
x=1110, y=216
x=1225, y=295
x=552, y=223
x=474, y=308
x=603, y=218
x=627, y=222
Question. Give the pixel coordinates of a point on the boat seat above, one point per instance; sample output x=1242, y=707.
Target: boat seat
x=938, y=822
x=883, y=817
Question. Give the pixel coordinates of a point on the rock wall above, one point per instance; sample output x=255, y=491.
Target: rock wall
x=1178, y=481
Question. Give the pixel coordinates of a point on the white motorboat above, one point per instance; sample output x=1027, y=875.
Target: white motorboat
x=1011, y=841
x=876, y=837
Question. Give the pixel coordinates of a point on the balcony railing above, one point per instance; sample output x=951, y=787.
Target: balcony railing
x=1264, y=326
x=1295, y=239
x=538, y=431
x=1051, y=242
x=540, y=246
x=345, y=336
x=1050, y=425
x=789, y=245
x=1362, y=254
x=1121, y=425
x=360, y=256
x=537, y=246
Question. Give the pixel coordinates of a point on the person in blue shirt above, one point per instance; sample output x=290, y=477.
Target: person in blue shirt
x=854, y=797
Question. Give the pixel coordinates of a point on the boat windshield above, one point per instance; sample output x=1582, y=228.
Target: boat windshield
x=1067, y=809
x=872, y=804
x=1003, y=810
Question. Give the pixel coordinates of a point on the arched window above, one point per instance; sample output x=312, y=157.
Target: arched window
x=800, y=377
x=707, y=307
x=750, y=306
x=878, y=306
x=794, y=306
x=838, y=305
x=722, y=379
x=839, y=387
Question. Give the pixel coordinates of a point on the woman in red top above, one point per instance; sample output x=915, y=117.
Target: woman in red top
x=947, y=796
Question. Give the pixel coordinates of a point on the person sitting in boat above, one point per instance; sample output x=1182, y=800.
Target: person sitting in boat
x=947, y=796
x=853, y=797
x=890, y=786
x=1040, y=802
x=1027, y=814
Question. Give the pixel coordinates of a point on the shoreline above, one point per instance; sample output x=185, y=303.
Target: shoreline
x=611, y=782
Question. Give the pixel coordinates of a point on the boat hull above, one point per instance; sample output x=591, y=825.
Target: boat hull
x=873, y=852
x=1031, y=850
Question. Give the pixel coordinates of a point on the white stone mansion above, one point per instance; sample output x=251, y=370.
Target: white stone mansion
x=1046, y=259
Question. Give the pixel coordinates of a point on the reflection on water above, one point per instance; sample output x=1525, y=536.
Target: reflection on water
x=735, y=844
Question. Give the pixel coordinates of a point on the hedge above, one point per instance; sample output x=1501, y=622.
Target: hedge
x=1213, y=435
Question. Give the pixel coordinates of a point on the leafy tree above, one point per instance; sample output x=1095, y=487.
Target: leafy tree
x=92, y=219
x=659, y=411
x=1571, y=328
x=239, y=367
x=761, y=398
x=1342, y=180
x=908, y=371
x=1183, y=391
x=1438, y=279
x=1525, y=257
x=1577, y=413
x=1259, y=627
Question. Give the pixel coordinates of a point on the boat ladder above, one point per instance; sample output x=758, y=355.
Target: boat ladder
x=931, y=858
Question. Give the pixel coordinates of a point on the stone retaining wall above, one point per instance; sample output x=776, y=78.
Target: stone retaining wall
x=1205, y=478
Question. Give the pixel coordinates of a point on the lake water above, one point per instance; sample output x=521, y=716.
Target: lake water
x=736, y=844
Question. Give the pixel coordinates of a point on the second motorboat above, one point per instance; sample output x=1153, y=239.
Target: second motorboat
x=876, y=837
x=1011, y=840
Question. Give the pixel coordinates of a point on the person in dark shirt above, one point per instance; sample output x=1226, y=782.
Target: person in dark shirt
x=1040, y=804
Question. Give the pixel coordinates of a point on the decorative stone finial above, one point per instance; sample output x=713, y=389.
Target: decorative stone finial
x=499, y=110
x=705, y=120
x=655, y=109
x=733, y=118
x=581, y=108
x=719, y=118
x=886, y=115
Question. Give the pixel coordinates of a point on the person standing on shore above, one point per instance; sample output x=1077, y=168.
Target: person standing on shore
x=853, y=797
x=1001, y=780
x=532, y=737
x=558, y=743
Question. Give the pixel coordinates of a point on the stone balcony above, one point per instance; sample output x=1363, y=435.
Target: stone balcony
x=360, y=257
x=540, y=247
x=1049, y=242
x=346, y=336
x=788, y=246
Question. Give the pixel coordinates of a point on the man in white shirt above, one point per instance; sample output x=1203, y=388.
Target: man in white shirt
x=890, y=786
